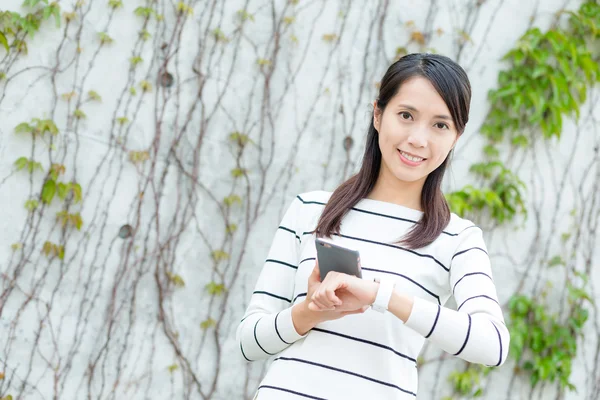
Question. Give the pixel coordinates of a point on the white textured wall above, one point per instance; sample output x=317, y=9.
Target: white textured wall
x=104, y=322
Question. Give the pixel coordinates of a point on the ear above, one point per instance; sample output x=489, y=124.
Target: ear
x=376, y=116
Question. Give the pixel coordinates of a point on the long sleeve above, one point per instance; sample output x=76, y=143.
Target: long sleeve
x=476, y=331
x=267, y=327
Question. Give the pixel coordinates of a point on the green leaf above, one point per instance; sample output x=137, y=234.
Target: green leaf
x=215, y=289
x=77, y=196
x=62, y=191
x=21, y=163
x=4, y=41
x=238, y=172
x=177, y=280
x=172, y=368
x=31, y=205
x=209, y=323
x=23, y=127
x=556, y=260
x=48, y=191
x=231, y=200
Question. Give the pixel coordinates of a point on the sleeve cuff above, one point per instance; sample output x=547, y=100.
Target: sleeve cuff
x=423, y=316
x=285, y=327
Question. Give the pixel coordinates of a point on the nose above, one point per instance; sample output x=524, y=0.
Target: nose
x=418, y=137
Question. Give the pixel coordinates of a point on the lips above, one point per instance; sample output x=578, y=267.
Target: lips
x=411, y=157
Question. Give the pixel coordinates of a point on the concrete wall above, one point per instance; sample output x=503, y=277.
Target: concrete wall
x=131, y=317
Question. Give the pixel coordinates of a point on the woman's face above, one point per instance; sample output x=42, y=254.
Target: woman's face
x=416, y=131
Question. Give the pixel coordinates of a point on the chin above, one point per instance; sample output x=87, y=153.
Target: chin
x=409, y=178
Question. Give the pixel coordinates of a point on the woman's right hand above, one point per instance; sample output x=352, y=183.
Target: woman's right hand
x=306, y=318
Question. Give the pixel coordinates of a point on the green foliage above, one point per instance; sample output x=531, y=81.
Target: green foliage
x=135, y=61
x=145, y=35
x=245, y=15
x=146, y=86
x=548, y=79
x=93, y=95
x=502, y=199
x=79, y=114
x=138, y=157
x=177, y=280
x=232, y=199
x=241, y=139
x=37, y=127
x=219, y=255
x=172, y=368
x=69, y=219
x=122, y=120
x=238, y=172
x=104, y=38
x=114, y=4
x=145, y=12
x=13, y=25
x=26, y=163
x=468, y=382
x=31, y=205
x=544, y=343
x=4, y=41
x=48, y=191
x=53, y=250
x=215, y=289
x=231, y=229
x=208, y=323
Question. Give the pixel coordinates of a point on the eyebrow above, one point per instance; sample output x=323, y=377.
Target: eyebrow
x=411, y=108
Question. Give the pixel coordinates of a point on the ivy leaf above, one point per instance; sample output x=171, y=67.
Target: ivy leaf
x=76, y=188
x=3, y=40
x=556, y=260
x=219, y=255
x=48, y=191
x=62, y=191
x=93, y=95
x=209, y=323
x=172, y=368
x=21, y=163
x=214, y=288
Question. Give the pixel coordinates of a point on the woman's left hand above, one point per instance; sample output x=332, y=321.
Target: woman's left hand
x=341, y=292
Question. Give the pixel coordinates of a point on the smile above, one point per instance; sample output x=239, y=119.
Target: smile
x=410, y=159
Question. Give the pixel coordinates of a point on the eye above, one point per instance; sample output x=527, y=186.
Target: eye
x=405, y=115
x=441, y=125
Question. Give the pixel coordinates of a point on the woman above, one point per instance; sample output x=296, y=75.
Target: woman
x=351, y=338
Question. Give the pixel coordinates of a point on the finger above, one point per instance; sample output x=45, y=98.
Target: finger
x=331, y=297
x=322, y=306
x=322, y=297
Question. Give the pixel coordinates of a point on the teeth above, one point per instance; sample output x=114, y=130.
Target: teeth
x=411, y=158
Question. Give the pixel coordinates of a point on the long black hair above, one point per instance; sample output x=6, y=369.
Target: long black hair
x=452, y=84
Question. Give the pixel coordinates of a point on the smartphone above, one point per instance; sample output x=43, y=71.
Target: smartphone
x=337, y=258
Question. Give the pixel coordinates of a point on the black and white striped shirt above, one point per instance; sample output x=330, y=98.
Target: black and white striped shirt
x=371, y=355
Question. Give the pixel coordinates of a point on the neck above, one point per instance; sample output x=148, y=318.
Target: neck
x=391, y=190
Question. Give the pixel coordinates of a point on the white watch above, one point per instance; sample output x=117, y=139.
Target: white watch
x=384, y=294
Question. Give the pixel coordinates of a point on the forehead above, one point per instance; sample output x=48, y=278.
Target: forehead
x=419, y=93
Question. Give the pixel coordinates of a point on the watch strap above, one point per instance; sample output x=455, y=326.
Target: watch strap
x=384, y=294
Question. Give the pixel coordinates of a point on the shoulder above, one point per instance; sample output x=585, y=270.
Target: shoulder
x=467, y=235
x=460, y=227
x=315, y=197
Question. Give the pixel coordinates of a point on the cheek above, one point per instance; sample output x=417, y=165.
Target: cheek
x=442, y=151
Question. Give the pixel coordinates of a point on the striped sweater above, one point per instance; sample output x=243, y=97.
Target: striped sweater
x=371, y=355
